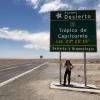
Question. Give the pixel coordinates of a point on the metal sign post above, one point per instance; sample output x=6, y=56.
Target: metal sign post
x=85, y=70
x=60, y=68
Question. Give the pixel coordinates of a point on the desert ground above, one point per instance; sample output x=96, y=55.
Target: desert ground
x=35, y=85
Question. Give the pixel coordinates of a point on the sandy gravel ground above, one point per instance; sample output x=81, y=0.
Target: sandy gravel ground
x=51, y=74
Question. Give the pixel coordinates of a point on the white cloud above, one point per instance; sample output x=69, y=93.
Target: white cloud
x=33, y=2
x=33, y=40
x=52, y=6
x=82, y=8
x=79, y=1
x=99, y=5
x=47, y=5
x=98, y=16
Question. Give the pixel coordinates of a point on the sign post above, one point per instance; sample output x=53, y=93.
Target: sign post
x=60, y=69
x=85, y=70
x=73, y=31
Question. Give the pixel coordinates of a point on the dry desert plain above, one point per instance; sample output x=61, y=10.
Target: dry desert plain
x=35, y=85
x=93, y=67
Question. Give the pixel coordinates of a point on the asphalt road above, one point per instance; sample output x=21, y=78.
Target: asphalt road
x=31, y=82
x=10, y=71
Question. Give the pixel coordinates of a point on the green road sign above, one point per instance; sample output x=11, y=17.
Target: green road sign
x=73, y=31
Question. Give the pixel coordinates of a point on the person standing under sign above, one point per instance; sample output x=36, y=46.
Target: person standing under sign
x=68, y=67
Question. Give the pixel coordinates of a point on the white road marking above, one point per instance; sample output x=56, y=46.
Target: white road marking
x=77, y=87
x=20, y=75
x=13, y=67
x=8, y=68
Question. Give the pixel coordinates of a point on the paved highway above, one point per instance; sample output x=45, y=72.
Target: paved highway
x=9, y=71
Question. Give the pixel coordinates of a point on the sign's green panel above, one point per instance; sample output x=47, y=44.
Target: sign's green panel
x=73, y=31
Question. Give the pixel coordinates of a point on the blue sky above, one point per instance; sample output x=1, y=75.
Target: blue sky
x=19, y=15
x=24, y=26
